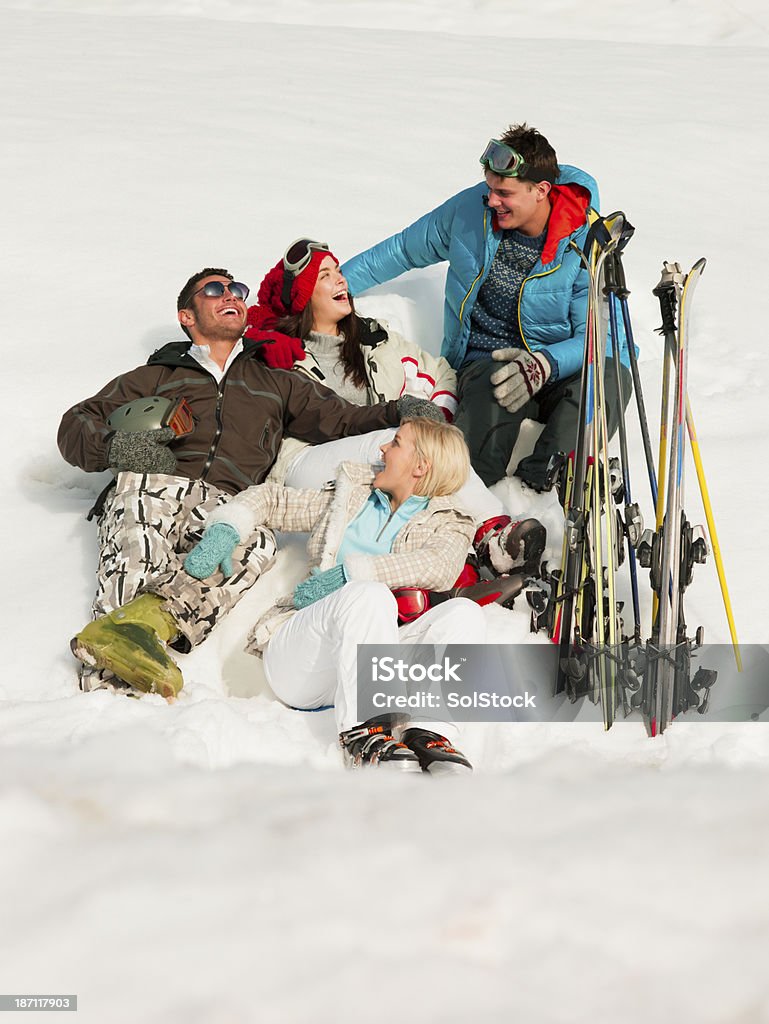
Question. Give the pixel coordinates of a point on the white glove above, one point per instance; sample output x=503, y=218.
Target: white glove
x=522, y=376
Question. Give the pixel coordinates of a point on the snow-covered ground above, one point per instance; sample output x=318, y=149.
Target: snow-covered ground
x=211, y=862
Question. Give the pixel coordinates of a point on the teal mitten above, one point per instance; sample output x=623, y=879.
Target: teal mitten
x=320, y=584
x=213, y=551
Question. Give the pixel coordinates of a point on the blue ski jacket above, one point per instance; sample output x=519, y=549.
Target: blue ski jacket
x=552, y=307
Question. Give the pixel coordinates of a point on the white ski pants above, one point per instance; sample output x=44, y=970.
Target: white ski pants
x=312, y=659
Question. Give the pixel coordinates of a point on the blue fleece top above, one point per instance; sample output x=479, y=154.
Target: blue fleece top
x=376, y=525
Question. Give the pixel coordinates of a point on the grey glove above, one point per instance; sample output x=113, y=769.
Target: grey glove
x=522, y=376
x=142, y=451
x=409, y=406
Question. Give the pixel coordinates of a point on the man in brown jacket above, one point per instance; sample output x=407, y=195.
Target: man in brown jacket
x=167, y=484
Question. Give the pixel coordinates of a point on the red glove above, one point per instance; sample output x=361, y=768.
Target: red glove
x=279, y=351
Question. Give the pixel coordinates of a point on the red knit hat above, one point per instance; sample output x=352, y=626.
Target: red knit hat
x=269, y=294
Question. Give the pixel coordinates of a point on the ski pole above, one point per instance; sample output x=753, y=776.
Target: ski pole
x=606, y=601
x=712, y=532
x=622, y=292
x=612, y=271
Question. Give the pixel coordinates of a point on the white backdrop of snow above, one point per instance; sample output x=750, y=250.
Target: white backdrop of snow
x=211, y=862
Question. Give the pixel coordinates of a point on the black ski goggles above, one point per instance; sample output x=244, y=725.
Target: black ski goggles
x=296, y=257
x=508, y=163
x=215, y=289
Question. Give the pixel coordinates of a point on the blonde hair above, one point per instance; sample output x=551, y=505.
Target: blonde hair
x=444, y=449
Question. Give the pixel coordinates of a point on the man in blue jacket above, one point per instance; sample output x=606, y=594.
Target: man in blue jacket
x=515, y=300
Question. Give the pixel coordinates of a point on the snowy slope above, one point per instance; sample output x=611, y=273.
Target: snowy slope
x=210, y=861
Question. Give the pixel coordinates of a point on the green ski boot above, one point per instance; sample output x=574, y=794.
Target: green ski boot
x=130, y=642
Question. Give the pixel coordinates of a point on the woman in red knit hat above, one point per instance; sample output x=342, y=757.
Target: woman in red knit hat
x=307, y=322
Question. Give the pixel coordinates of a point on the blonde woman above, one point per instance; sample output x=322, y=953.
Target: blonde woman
x=371, y=533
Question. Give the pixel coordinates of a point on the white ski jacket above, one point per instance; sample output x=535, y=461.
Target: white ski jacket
x=394, y=367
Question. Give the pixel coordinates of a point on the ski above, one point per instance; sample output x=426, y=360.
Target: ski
x=672, y=551
x=587, y=615
x=603, y=526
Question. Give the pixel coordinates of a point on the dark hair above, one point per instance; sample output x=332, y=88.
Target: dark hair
x=535, y=150
x=299, y=325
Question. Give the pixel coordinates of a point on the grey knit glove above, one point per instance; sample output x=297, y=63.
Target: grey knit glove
x=142, y=451
x=522, y=376
x=409, y=406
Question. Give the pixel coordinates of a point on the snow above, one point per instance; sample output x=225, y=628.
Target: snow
x=210, y=862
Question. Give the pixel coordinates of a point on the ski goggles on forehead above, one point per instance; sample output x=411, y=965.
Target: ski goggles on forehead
x=508, y=162
x=296, y=259
x=299, y=254
x=215, y=289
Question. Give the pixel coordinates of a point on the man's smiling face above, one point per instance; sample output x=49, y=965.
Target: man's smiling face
x=519, y=204
x=214, y=317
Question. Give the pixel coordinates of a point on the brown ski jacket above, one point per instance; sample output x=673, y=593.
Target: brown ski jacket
x=239, y=423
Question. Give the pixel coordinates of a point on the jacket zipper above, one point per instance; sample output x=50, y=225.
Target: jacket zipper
x=389, y=519
x=477, y=279
x=218, y=431
x=220, y=387
x=520, y=299
x=520, y=293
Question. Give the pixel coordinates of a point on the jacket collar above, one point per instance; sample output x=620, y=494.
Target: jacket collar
x=177, y=353
x=570, y=201
x=353, y=473
x=568, y=213
x=569, y=204
x=373, y=332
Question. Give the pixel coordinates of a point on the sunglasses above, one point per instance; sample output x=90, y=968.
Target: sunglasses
x=297, y=258
x=215, y=289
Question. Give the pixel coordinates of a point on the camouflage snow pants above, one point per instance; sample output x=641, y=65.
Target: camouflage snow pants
x=147, y=527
